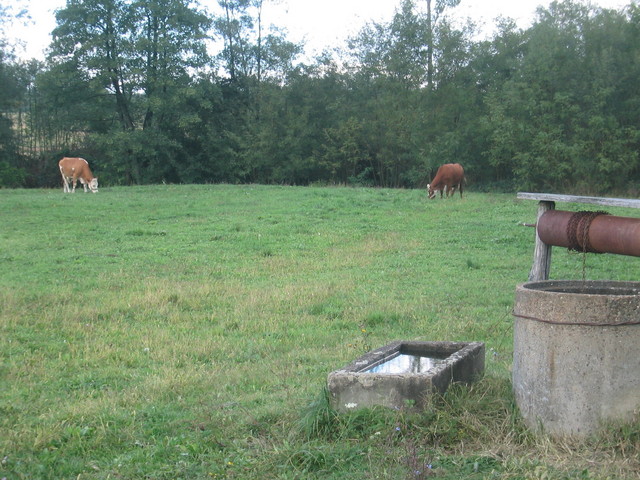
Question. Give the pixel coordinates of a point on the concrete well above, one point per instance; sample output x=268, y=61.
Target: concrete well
x=367, y=382
x=575, y=359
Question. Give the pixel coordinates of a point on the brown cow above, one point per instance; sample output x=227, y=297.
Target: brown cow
x=74, y=169
x=447, y=179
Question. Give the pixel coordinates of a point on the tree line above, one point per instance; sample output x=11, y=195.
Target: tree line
x=133, y=86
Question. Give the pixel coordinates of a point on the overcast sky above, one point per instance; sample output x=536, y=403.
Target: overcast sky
x=321, y=23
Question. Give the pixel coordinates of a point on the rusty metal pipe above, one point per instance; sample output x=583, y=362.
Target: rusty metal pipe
x=590, y=232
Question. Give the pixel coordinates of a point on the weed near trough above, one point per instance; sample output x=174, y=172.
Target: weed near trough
x=187, y=332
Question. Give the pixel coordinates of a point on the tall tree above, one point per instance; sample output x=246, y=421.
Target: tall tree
x=146, y=45
x=142, y=53
x=11, y=172
x=434, y=13
x=96, y=35
x=170, y=38
x=235, y=26
x=249, y=51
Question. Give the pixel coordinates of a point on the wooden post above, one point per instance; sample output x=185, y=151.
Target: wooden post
x=542, y=252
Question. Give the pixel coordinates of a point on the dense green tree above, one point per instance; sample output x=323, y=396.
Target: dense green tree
x=142, y=55
x=170, y=36
x=130, y=85
x=495, y=63
x=284, y=145
x=95, y=36
x=12, y=174
x=557, y=119
x=387, y=76
x=251, y=49
x=420, y=115
x=12, y=78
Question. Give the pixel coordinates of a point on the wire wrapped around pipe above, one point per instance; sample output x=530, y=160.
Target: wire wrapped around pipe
x=578, y=231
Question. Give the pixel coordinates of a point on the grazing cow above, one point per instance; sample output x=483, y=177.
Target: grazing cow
x=74, y=169
x=447, y=179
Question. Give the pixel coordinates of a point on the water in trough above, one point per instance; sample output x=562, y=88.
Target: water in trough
x=405, y=363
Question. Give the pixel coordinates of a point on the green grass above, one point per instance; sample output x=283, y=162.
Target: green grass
x=187, y=332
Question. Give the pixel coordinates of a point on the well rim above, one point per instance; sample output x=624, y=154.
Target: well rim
x=604, y=288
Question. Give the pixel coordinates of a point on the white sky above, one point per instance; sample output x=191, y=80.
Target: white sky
x=321, y=23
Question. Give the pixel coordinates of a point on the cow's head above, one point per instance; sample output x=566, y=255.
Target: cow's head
x=431, y=192
x=93, y=185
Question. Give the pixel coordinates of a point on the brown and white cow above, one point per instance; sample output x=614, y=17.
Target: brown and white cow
x=449, y=177
x=74, y=169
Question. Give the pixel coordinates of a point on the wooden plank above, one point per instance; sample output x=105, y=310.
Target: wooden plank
x=542, y=252
x=552, y=197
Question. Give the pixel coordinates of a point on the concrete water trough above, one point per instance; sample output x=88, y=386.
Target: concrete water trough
x=404, y=373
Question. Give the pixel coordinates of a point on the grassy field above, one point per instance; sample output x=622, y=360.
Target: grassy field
x=186, y=332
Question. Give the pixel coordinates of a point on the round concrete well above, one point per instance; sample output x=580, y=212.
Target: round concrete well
x=575, y=354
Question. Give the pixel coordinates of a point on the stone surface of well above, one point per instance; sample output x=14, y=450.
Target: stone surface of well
x=353, y=387
x=576, y=361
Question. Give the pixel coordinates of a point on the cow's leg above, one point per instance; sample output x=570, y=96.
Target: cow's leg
x=74, y=181
x=65, y=183
x=460, y=185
